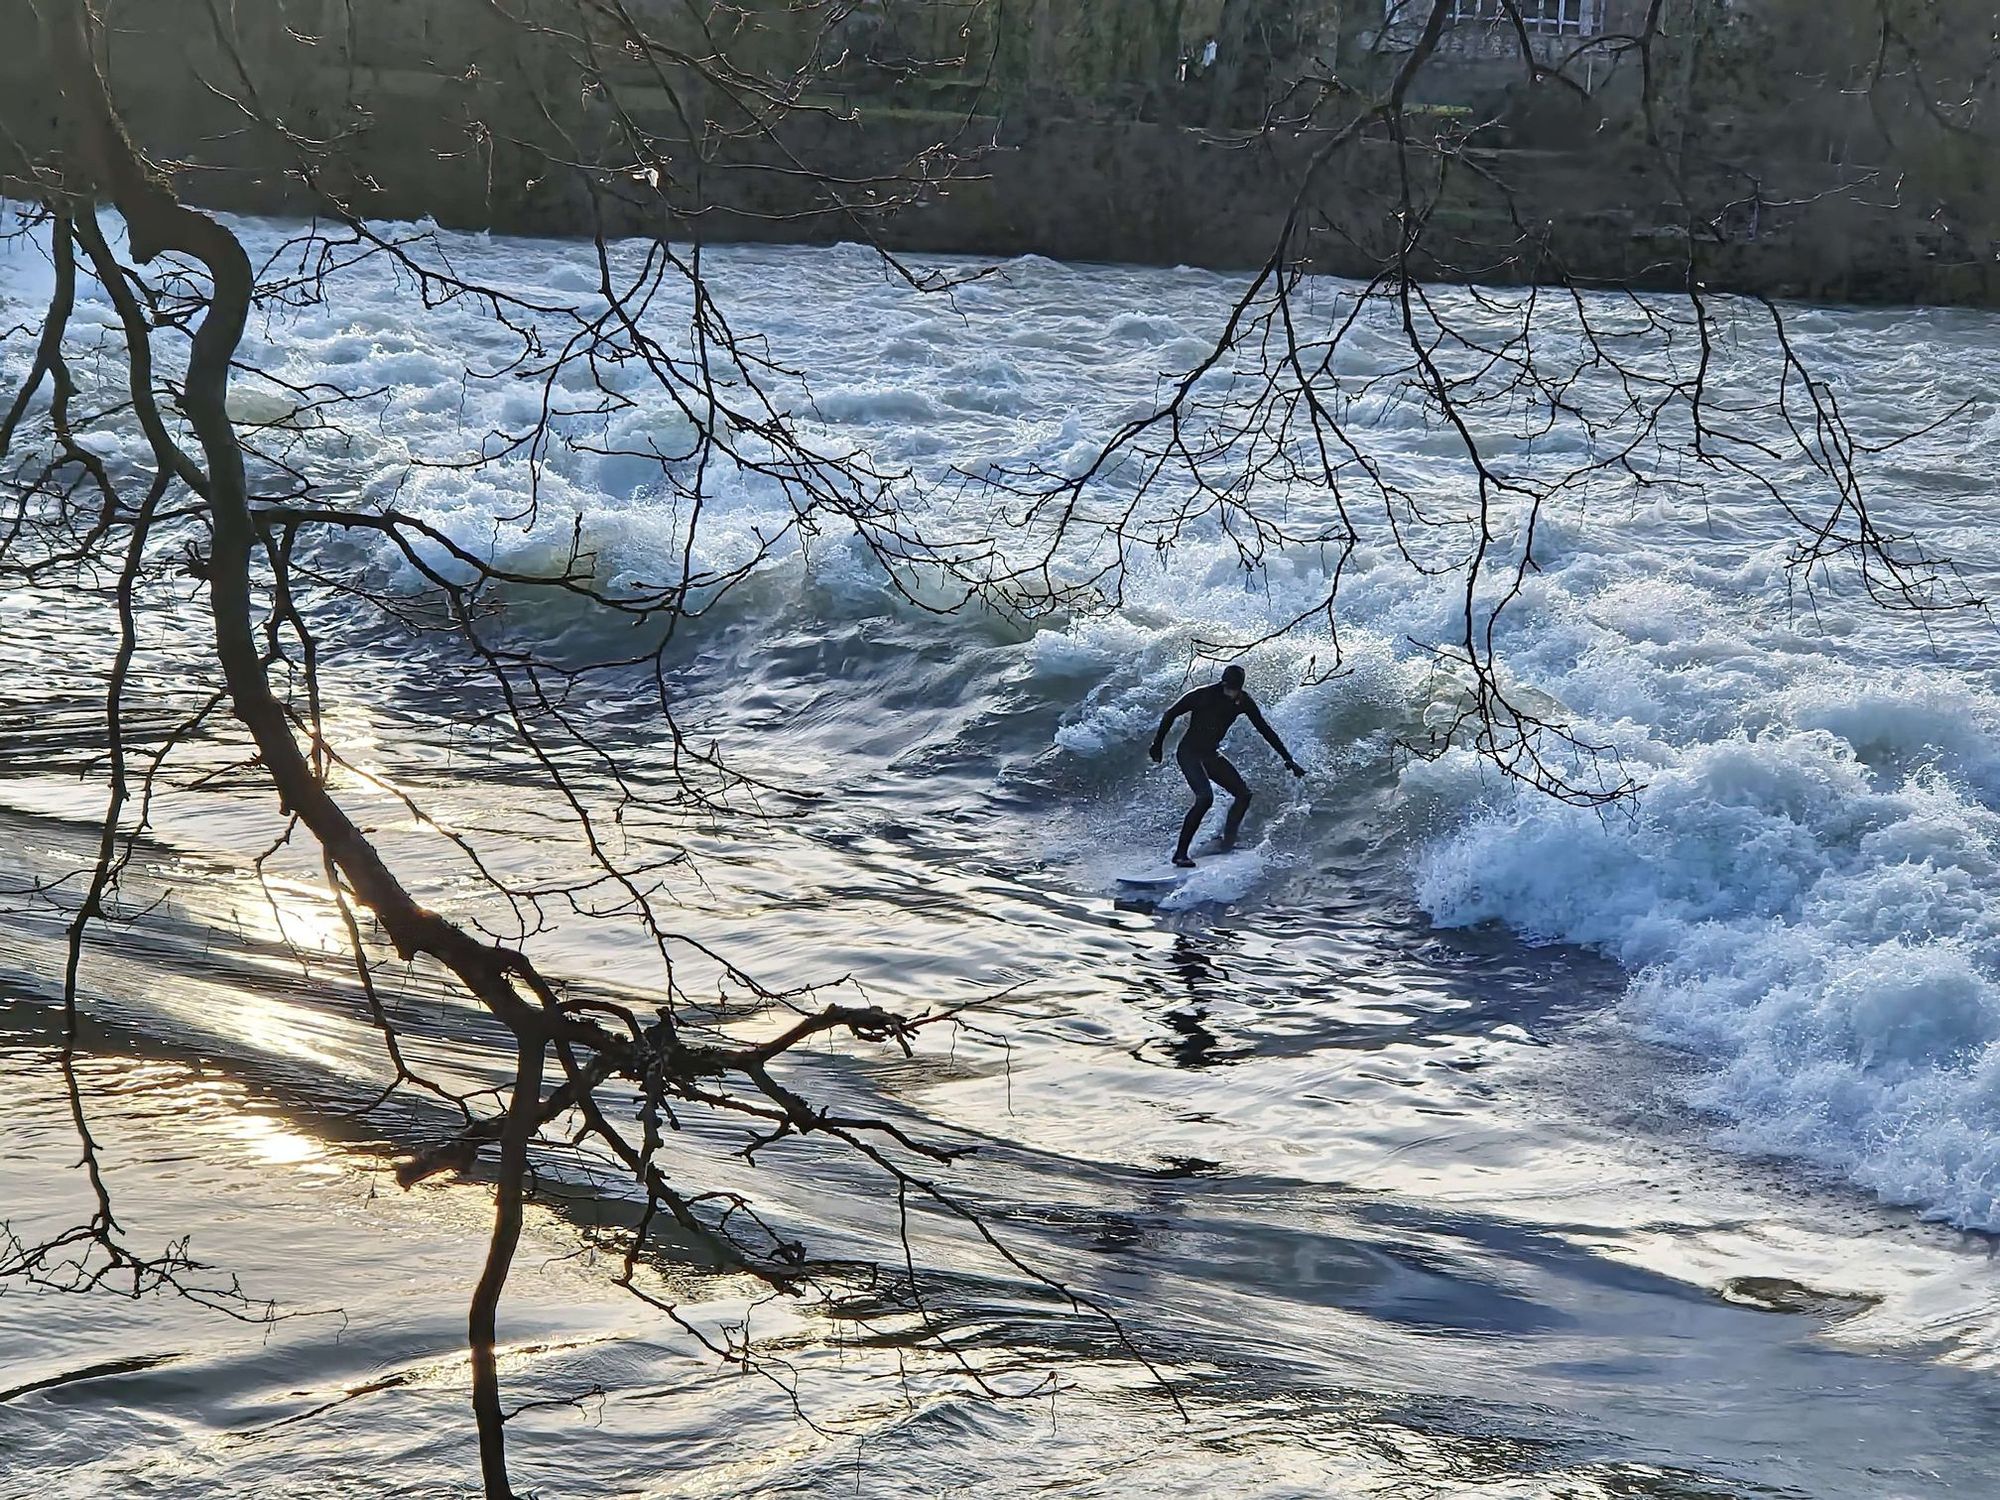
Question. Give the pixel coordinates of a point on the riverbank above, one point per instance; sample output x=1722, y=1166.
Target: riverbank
x=452, y=125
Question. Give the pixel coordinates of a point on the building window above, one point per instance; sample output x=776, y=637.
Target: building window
x=1551, y=18
x=1541, y=17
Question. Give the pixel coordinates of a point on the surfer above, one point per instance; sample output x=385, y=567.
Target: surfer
x=1211, y=710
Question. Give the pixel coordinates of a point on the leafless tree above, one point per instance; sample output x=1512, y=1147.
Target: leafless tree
x=1512, y=351
x=238, y=507
x=1636, y=384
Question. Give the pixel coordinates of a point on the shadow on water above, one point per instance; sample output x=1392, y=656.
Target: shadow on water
x=1449, y=1342
x=1446, y=1345
x=1226, y=994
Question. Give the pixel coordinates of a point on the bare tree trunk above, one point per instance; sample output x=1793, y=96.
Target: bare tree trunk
x=523, y=1115
x=1232, y=44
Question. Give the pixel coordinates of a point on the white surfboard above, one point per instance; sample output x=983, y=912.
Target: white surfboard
x=1159, y=876
x=1162, y=876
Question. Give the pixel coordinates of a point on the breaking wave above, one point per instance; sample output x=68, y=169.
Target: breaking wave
x=1804, y=889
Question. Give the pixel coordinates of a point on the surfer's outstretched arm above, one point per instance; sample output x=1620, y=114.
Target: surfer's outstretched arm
x=1185, y=706
x=1256, y=718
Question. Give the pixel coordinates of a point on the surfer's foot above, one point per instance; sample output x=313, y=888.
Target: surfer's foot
x=1182, y=862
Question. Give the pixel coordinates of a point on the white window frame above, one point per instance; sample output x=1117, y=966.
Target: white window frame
x=1543, y=18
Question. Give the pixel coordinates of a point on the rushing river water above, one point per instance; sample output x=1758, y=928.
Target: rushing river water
x=1454, y=1142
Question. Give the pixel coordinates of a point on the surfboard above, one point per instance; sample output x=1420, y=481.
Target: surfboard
x=1158, y=876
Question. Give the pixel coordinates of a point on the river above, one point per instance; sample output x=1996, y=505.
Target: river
x=1452, y=1140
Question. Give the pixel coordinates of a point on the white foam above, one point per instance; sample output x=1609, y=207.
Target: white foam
x=1806, y=898
x=1805, y=890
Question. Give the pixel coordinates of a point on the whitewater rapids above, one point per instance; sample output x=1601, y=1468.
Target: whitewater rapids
x=1446, y=1067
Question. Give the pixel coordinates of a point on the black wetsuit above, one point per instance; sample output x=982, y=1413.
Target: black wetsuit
x=1211, y=712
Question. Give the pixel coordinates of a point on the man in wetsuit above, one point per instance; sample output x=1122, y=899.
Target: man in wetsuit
x=1211, y=710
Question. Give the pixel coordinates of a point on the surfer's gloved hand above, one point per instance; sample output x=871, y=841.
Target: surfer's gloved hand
x=1154, y=751
x=1295, y=768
